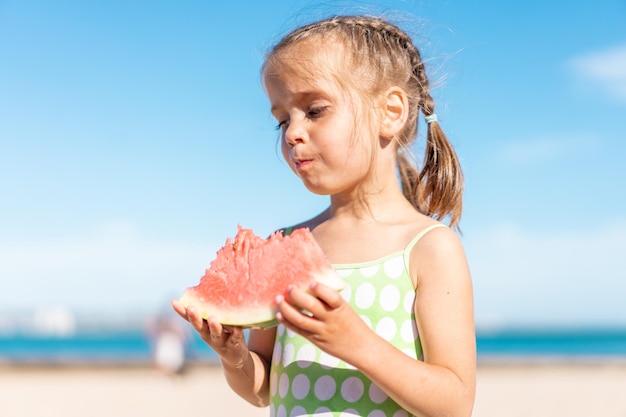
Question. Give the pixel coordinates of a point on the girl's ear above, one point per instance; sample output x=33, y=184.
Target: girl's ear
x=394, y=112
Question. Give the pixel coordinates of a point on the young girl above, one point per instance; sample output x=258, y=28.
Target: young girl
x=399, y=339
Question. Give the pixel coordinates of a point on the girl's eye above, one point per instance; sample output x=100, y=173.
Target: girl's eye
x=316, y=111
x=282, y=125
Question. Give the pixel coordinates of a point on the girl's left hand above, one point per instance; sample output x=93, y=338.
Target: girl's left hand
x=328, y=321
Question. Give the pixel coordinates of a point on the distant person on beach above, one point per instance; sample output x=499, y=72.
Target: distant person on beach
x=347, y=93
x=169, y=345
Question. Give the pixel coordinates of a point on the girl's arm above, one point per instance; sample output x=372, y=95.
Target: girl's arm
x=246, y=365
x=250, y=378
x=444, y=383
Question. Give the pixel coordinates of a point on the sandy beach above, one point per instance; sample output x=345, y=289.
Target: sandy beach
x=510, y=390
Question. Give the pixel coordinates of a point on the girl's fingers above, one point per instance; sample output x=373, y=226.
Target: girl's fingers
x=301, y=313
x=196, y=320
x=328, y=295
x=179, y=308
x=227, y=341
x=232, y=330
x=215, y=327
x=234, y=335
x=317, y=299
x=303, y=300
x=291, y=316
x=191, y=315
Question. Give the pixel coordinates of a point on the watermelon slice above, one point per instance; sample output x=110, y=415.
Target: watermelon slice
x=241, y=285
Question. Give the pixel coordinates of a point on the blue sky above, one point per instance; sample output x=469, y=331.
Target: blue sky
x=135, y=136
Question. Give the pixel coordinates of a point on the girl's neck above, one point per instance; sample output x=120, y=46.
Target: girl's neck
x=384, y=206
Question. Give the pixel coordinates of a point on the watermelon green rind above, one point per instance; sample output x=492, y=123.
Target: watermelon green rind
x=240, y=287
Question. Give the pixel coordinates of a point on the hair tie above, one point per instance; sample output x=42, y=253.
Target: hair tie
x=431, y=118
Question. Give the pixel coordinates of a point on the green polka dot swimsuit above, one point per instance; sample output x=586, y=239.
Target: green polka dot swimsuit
x=305, y=381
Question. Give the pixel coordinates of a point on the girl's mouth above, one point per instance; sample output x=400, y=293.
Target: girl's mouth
x=302, y=163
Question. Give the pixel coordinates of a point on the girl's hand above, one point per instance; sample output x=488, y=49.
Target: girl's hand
x=227, y=341
x=328, y=321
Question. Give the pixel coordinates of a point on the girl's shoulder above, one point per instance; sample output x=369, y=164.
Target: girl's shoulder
x=433, y=239
x=435, y=248
x=423, y=232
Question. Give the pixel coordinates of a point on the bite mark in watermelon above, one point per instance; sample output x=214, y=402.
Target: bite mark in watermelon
x=241, y=284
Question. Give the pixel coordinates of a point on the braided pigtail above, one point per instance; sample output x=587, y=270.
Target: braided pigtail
x=441, y=177
x=436, y=189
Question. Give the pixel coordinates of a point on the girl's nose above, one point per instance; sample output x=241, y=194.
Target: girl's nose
x=295, y=133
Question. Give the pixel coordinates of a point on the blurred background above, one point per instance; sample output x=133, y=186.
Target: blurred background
x=135, y=137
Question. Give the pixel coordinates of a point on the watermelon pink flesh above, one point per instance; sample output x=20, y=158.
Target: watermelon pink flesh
x=241, y=285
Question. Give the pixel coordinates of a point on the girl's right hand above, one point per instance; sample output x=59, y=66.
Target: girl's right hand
x=227, y=341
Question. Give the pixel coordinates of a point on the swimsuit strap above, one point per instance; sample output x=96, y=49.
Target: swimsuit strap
x=421, y=234
x=416, y=239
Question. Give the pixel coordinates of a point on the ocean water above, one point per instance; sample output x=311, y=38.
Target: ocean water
x=561, y=344
x=128, y=347
x=137, y=346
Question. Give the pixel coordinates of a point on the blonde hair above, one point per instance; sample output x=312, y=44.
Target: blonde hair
x=386, y=56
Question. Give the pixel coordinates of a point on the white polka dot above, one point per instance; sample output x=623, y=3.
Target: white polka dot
x=346, y=293
x=288, y=354
x=306, y=356
x=390, y=298
x=365, y=295
x=272, y=410
x=273, y=383
x=369, y=271
x=291, y=333
x=409, y=299
x=393, y=268
x=325, y=388
x=400, y=413
x=352, y=389
x=300, y=387
x=323, y=412
x=298, y=411
x=408, y=331
x=386, y=328
x=278, y=350
x=376, y=394
x=343, y=273
x=282, y=411
x=280, y=329
x=283, y=385
x=349, y=413
x=376, y=413
x=328, y=361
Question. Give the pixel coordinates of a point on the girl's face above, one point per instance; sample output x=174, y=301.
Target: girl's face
x=321, y=139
